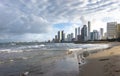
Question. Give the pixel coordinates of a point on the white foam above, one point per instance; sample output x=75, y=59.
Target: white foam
x=34, y=46
x=24, y=58
x=42, y=45
x=11, y=60
x=75, y=49
x=11, y=51
x=90, y=48
x=25, y=73
x=13, y=44
x=97, y=47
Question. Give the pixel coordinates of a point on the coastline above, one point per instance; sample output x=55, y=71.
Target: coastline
x=52, y=62
x=103, y=63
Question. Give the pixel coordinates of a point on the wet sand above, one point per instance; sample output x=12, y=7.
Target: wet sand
x=103, y=63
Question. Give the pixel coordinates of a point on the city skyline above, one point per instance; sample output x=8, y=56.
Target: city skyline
x=85, y=34
x=36, y=20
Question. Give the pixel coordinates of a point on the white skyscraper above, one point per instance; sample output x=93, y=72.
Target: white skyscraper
x=111, y=30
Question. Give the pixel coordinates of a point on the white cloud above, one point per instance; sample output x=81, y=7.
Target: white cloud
x=29, y=18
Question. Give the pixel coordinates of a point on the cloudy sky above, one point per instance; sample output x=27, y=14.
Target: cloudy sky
x=30, y=20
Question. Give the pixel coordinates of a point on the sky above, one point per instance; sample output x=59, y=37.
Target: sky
x=39, y=20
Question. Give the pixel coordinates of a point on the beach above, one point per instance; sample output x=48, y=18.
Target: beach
x=56, y=59
x=103, y=63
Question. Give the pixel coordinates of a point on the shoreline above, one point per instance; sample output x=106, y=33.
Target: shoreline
x=103, y=63
x=40, y=63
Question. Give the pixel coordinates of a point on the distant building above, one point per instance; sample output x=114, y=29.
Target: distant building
x=101, y=33
x=63, y=36
x=89, y=29
x=79, y=38
x=70, y=37
x=59, y=36
x=112, y=30
x=91, y=36
x=79, y=31
x=56, y=38
x=76, y=34
x=105, y=36
x=118, y=31
x=95, y=35
x=84, y=33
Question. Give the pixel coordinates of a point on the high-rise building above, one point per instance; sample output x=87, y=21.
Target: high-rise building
x=101, y=33
x=59, y=36
x=95, y=35
x=118, y=31
x=89, y=29
x=76, y=34
x=105, y=36
x=79, y=31
x=84, y=33
x=71, y=36
x=56, y=38
x=68, y=37
x=63, y=36
x=112, y=30
x=79, y=34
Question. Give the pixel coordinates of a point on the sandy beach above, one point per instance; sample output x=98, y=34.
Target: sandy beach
x=103, y=63
x=36, y=62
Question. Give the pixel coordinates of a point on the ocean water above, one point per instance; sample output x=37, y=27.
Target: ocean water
x=46, y=59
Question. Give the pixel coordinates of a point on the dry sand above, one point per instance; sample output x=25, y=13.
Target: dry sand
x=103, y=63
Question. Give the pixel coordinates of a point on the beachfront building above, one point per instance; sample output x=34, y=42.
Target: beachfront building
x=56, y=38
x=59, y=36
x=76, y=34
x=69, y=37
x=95, y=35
x=112, y=30
x=79, y=31
x=118, y=31
x=79, y=34
x=62, y=36
x=101, y=33
x=89, y=29
x=84, y=33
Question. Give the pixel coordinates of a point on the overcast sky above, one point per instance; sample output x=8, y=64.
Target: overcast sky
x=30, y=20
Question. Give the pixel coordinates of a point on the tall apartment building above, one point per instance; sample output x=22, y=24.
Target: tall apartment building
x=79, y=31
x=118, y=30
x=59, y=36
x=95, y=35
x=62, y=36
x=89, y=29
x=84, y=33
x=76, y=33
x=101, y=33
x=112, y=30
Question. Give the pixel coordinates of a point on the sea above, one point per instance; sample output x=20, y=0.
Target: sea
x=43, y=59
